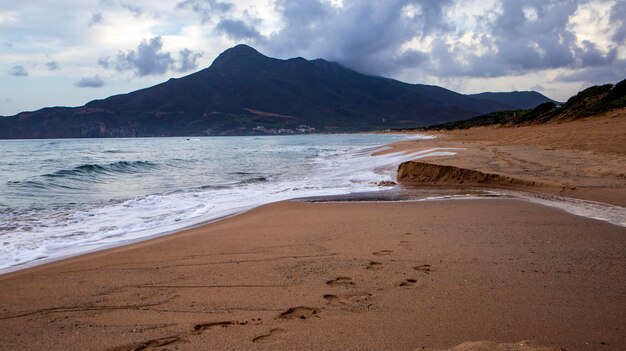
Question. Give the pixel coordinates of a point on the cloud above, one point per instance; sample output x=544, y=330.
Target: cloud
x=618, y=20
x=368, y=36
x=90, y=82
x=596, y=75
x=237, y=29
x=18, y=71
x=134, y=10
x=538, y=87
x=105, y=62
x=52, y=65
x=206, y=9
x=188, y=60
x=443, y=39
x=150, y=59
x=96, y=18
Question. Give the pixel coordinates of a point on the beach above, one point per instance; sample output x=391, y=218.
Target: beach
x=582, y=159
x=403, y=275
x=328, y=276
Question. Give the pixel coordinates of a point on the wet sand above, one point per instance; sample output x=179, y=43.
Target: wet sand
x=356, y=275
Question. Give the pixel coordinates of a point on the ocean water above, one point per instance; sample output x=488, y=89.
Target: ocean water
x=65, y=197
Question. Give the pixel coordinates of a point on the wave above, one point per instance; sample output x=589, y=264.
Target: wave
x=120, y=167
x=71, y=179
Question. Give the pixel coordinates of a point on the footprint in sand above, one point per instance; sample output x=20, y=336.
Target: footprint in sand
x=153, y=344
x=409, y=282
x=199, y=328
x=382, y=253
x=332, y=298
x=426, y=268
x=273, y=336
x=352, y=300
x=373, y=265
x=340, y=281
x=300, y=312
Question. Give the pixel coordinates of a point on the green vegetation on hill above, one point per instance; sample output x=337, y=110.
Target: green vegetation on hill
x=589, y=102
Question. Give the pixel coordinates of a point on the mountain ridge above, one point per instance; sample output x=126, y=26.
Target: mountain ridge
x=244, y=92
x=590, y=102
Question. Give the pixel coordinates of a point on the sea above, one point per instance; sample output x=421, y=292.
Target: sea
x=64, y=197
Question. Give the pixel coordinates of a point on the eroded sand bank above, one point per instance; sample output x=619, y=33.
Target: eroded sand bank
x=584, y=159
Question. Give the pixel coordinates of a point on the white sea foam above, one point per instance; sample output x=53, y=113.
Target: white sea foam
x=590, y=209
x=584, y=208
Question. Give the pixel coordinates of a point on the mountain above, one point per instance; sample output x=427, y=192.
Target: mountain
x=244, y=92
x=590, y=102
x=516, y=100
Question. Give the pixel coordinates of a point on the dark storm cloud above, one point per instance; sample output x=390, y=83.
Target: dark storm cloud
x=527, y=36
x=590, y=55
x=515, y=37
x=52, y=66
x=237, y=30
x=618, y=19
x=206, y=9
x=90, y=82
x=364, y=35
x=597, y=75
x=150, y=59
x=18, y=71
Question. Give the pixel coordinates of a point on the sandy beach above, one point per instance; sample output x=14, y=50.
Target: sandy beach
x=582, y=159
x=504, y=274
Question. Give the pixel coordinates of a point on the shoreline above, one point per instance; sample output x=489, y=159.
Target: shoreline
x=397, y=194
x=469, y=153
x=49, y=233
x=473, y=151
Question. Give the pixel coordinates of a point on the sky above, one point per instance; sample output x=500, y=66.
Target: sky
x=69, y=52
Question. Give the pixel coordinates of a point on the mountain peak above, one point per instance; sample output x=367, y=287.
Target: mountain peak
x=238, y=51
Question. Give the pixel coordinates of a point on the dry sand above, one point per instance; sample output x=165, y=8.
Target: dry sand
x=464, y=274
x=584, y=158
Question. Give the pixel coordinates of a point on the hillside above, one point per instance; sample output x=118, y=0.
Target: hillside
x=514, y=99
x=244, y=92
x=592, y=101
